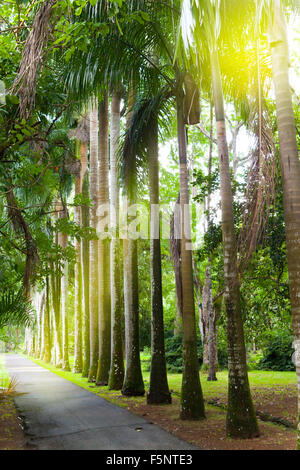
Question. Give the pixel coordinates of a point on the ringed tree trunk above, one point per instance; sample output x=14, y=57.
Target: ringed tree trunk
x=40, y=347
x=175, y=251
x=192, y=404
x=241, y=419
x=133, y=384
x=77, y=367
x=116, y=375
x=85, y=262
x=93, y=264
x=55, y=279
x=104, y=248
x=159, y=390
x=211, y=328
x=208, y=311
x=46, y=353
x=290, y=169
x=64, y=301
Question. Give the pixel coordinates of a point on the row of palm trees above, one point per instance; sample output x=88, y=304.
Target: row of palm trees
x=151, y=67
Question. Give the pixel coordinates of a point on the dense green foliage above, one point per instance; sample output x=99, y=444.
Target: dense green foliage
x=278, y=353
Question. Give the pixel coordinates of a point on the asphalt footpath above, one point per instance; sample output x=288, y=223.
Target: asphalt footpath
x=59, y=415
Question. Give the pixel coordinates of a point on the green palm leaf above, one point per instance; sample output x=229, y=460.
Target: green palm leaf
x=15, y=309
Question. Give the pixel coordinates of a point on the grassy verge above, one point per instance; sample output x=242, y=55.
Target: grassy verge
x=210, y=389
x=272, y=393
x=4, y=378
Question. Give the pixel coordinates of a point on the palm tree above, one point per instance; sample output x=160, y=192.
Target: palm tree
x=142, y=138
x=63, y=242
x=84, y=179
x=81, y=216
x=133, y=384
x=131, y=57
x=93, y=265
x=55, y=297
x=159, y=389
x=116, y=375
x=46, y=326
x=241, y=419
x=290, y=166
x=77, y=367
x=104, y=248
x=82, y=318
x=192, y=404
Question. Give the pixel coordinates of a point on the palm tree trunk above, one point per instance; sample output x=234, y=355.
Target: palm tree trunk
x=175, y=251
x=133, y=381
x=116, y=375
x=290, y=169
x=85, y=261
x=55, y=295
x=192, y=405
x=77, y=367
x=41, y=342
x=241, y=419
x=93, y=265
x=104, y=249
x=211, y=328
x=46, y=326
x=159, y=390
x=64, y=302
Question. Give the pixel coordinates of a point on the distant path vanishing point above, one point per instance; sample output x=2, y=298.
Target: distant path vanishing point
x=60, y=415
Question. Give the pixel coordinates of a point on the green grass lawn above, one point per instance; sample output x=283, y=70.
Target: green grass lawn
x=210, y=389
x=4, y=378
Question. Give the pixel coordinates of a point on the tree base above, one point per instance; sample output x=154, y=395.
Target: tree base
x=158, y=398
x=212, y=379
x=187, y=416
x=115, y=383
x=242, y=429
x=132, y=393
x=102, y=383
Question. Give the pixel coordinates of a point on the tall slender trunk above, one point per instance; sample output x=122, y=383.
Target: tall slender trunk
x=94, y=274
x=290, y=169
x=55, y=296
x=63, y=241
x=104, y=249
x=241, y=419
x=85, y=262
x=211, y=328
x=175, y=251
x=41, y=341
x=46, y=326
x=77, y=367
x=192, y=404
x=116, y=375
x=159, y=389
x=133, y=381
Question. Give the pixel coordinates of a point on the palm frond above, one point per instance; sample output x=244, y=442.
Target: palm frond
x=133, y=152
x=15, y=309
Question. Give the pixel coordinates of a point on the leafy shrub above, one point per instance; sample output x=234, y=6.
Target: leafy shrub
x=174, y=353
x=222, y=355
x=253, y=360
x=278, y=353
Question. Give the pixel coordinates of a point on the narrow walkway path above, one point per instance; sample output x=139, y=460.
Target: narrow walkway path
x=61, y=415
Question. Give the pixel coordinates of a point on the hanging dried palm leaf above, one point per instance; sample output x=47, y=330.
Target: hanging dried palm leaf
x=25, y=83
x=261, y=186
